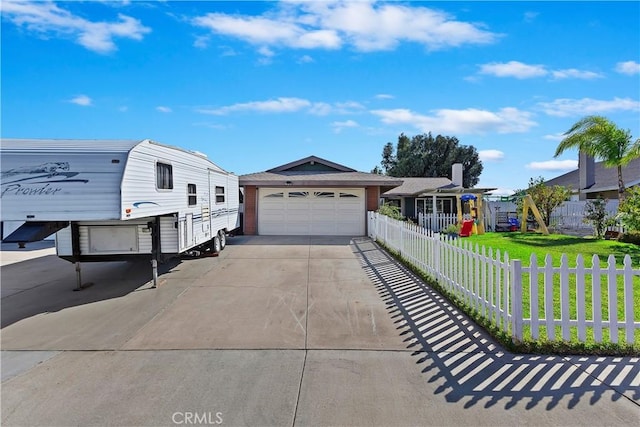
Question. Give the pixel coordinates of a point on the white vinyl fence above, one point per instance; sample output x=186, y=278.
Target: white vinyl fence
x=544, y=300
x=570, y=215
x=436, y=222
x=567, y=217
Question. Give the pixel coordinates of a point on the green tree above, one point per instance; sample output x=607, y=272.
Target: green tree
x=428, y=156
x=546, y=198
x=600, y=138
x=629, y=210
x=388, y=157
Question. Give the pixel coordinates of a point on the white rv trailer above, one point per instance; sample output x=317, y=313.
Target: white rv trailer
x=116, y=199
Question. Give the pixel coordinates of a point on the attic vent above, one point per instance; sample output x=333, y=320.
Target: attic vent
x=313, y=162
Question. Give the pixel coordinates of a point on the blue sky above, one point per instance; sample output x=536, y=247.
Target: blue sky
x=254, y=85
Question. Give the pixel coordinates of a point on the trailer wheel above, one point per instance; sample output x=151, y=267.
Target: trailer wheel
x=223, y=239
x=216, y=244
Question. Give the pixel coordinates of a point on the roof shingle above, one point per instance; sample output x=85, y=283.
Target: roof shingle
x=606, y=178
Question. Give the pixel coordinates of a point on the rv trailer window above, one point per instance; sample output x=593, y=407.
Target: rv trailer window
x=164, y=176
x=219, y=194
x=191, y=194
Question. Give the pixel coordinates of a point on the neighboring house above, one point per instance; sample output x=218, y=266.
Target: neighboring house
x=592, y=179
x=311, y=196
x=431, y=195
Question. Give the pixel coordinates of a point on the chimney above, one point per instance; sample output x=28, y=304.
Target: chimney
x=456, y=174
x=586, y=171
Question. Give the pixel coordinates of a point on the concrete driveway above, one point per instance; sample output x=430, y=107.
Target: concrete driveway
x=277, y=331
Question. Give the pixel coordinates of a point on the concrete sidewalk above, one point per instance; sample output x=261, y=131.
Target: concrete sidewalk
x=278, y=332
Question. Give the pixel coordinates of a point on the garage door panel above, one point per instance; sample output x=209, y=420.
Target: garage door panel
x=294, y=229
x=324, y=229
x=300, y=211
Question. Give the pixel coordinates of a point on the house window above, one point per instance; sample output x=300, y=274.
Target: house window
x=298, y=194
x=219, y=194
x=425, y=206
x=192, y=195
x=275, y=195
x=348, y=195
x=324, y=194
x=420, y=206
x=164, y=176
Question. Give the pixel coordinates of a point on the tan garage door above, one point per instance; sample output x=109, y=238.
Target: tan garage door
x=314, y=212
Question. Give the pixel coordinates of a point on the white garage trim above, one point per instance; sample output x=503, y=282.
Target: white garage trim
x=311, y=211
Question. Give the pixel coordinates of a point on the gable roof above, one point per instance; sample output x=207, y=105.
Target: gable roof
x=606, y=178
x=315, y=171
x=415, y=186
x=312, y=163
x=420, y=187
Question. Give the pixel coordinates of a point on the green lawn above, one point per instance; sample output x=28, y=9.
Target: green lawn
x=522, y=245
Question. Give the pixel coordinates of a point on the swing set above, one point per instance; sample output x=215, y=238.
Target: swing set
x=475, y=225
x=530, y=205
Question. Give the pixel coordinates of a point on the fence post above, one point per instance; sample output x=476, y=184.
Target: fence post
x=402, y=228
x=516, y=300
x=628, y=299
x=386, y=228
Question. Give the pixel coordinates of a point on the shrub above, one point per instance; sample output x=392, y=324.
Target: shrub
x=630, y=237
x=451, y=229
x=595, y=213
x=391, y=211
x=629, y=209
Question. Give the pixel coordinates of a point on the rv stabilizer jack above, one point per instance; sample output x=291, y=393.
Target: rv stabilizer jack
x=154, y=267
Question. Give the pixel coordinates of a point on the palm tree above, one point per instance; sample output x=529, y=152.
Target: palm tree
x=600, y=138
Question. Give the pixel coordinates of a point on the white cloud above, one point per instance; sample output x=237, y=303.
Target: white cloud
x=515, y=69
x=573, y=73
x=163, y=109
x=366, y=26
x=227, y=51
x=119, y=3
x=305, y=59
x=554, y=137
x=565, y=107
x=82, y=100
x=47, y=18
x=469, y=121
x=201, y=42
x=348, y=107
x=554, y=165
x=530, y=16
x=490, y=155
x=278, y=105
x=265, y=31
x=338, y=126
x=502, y=192
x=520, y=70
x=288, y=105
x=628, y=67
x=265, y=51
x=215, y=126
x=384, y=96
x=321, y=109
